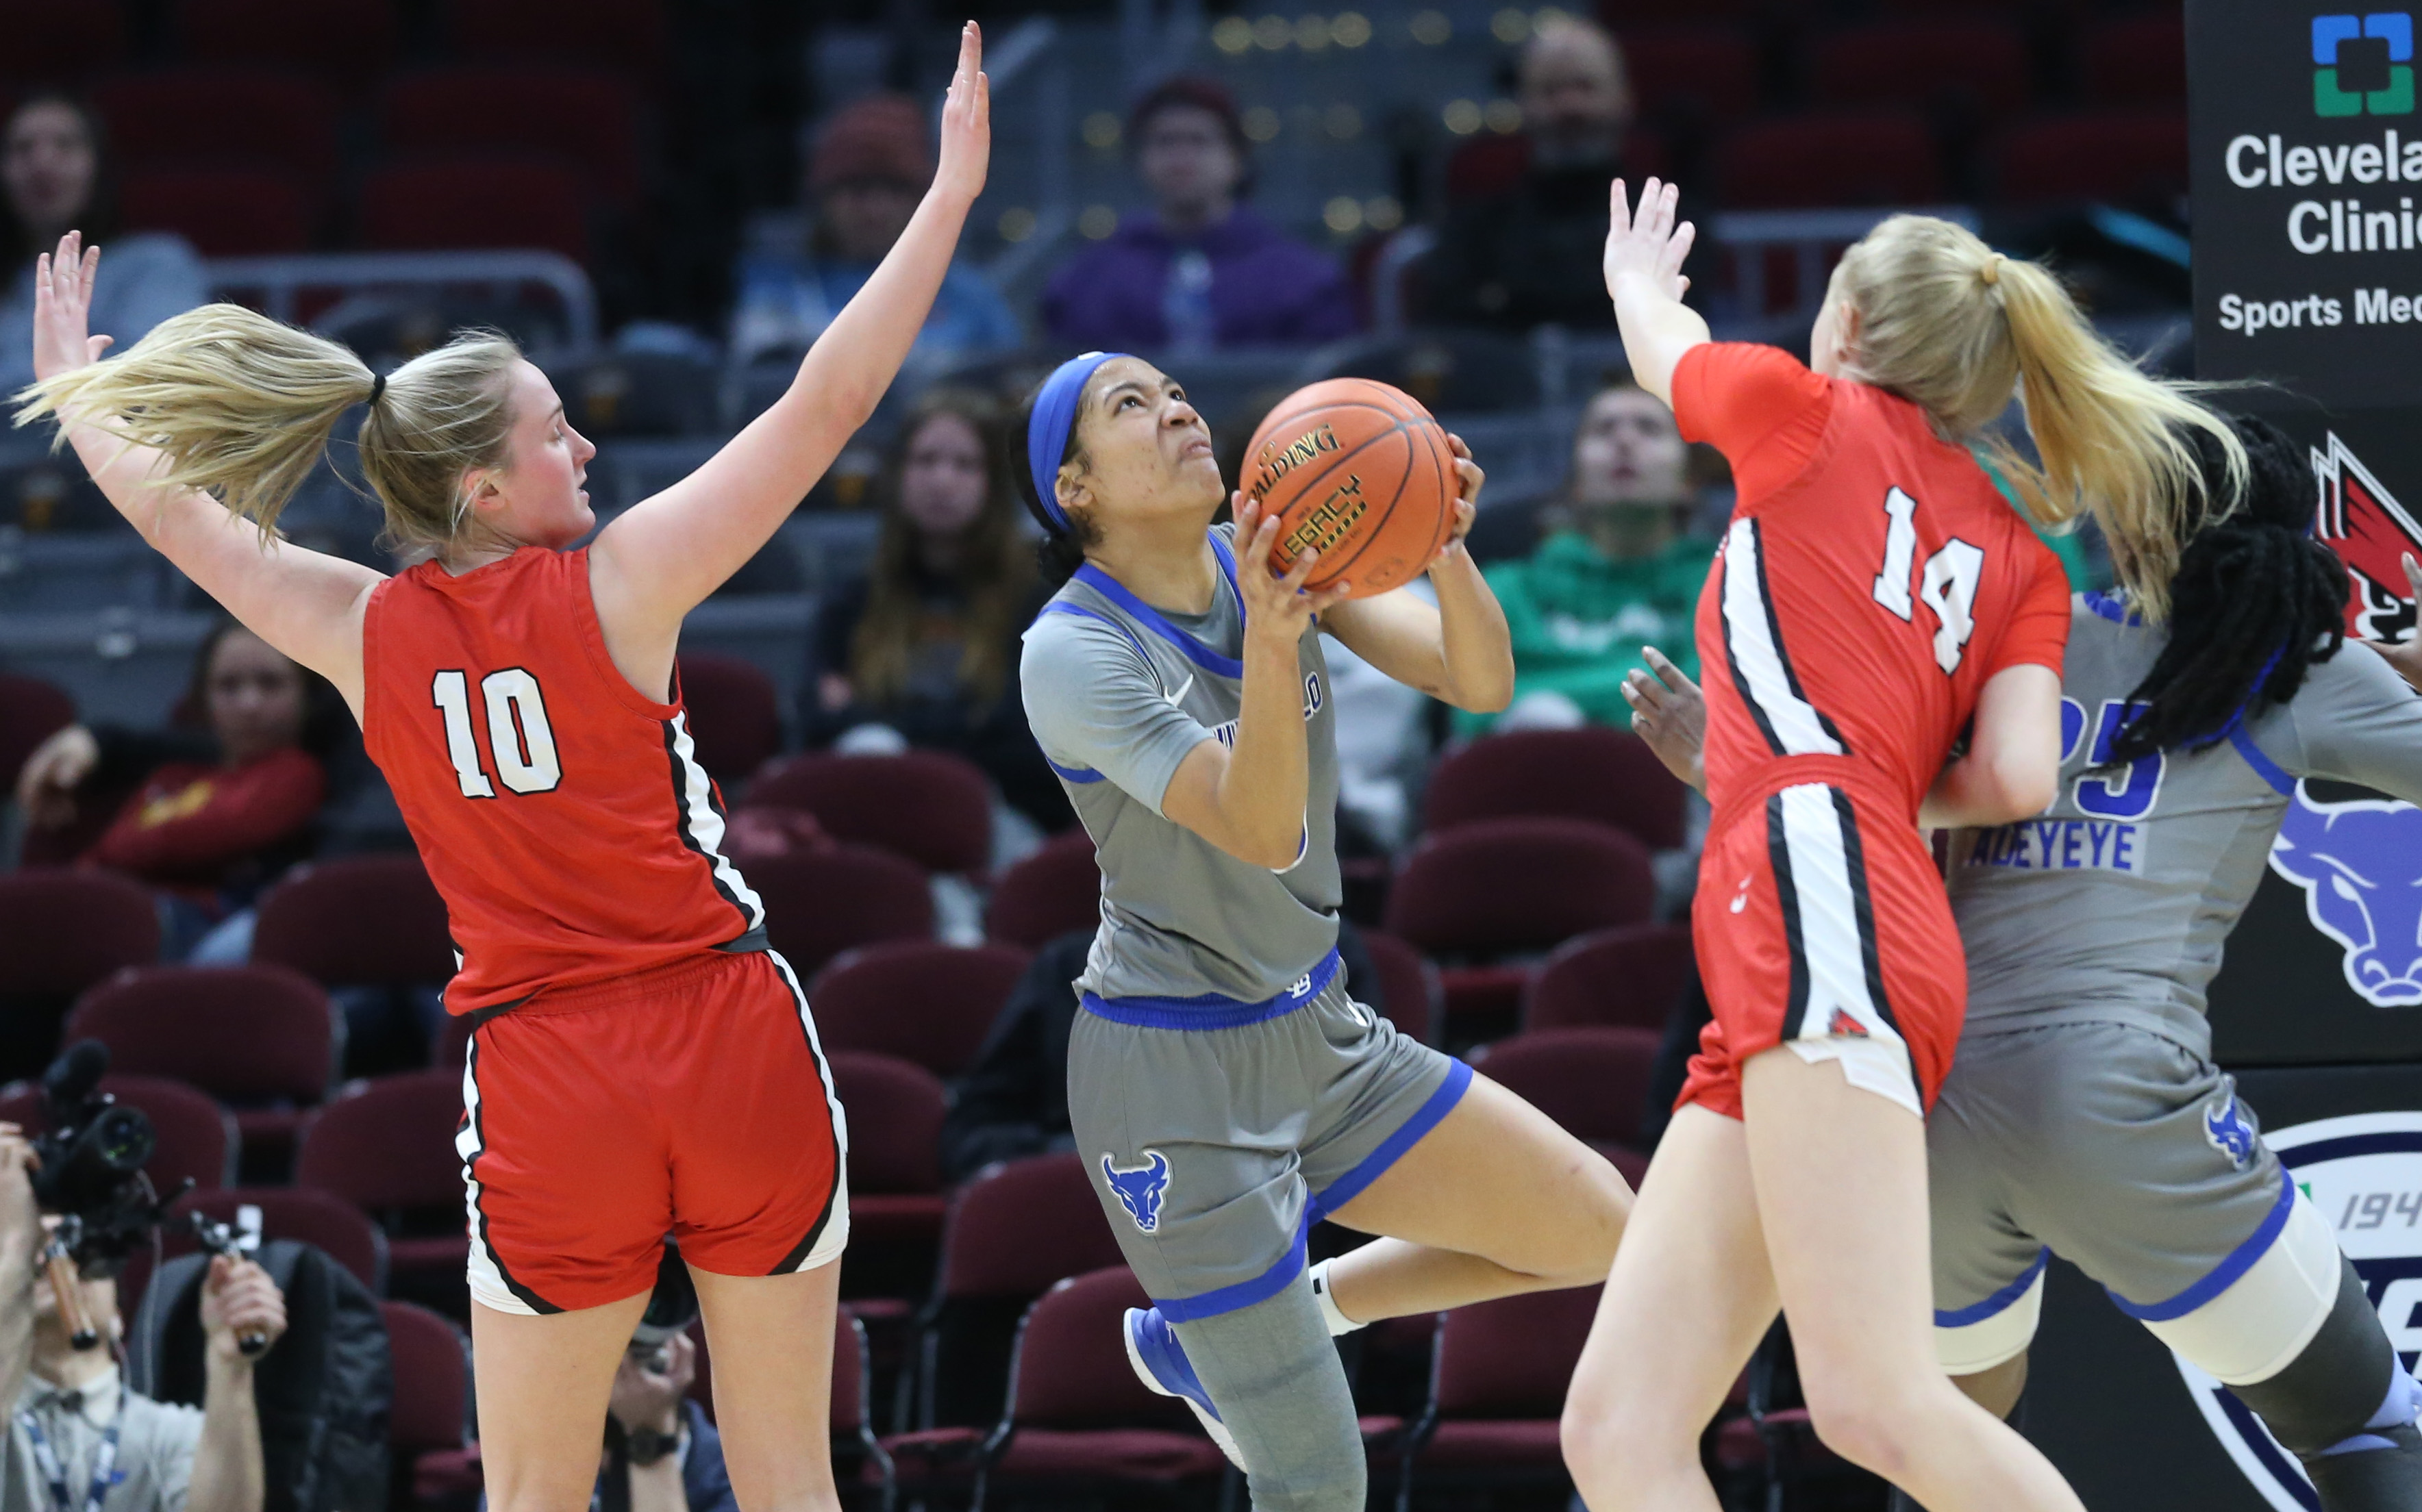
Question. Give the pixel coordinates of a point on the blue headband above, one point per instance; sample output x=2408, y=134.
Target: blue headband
x=1054, y=416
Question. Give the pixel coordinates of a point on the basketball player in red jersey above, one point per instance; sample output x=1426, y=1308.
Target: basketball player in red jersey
x=1874, y=597
x=641, y=1065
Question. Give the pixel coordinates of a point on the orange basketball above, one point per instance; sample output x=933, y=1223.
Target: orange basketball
x=1360, y=472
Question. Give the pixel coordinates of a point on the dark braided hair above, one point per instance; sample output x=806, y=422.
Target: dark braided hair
x=2255, y=603
x=1060, y=552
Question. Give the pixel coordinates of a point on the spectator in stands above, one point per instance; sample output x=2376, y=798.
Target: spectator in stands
x=56, y=175
x=922, y=650
x=1618, y=569
x=1200, y=270
x=73, y=1408
x=1529, y=253
x=871, y=166
x=220, y=814
x=670, y=1457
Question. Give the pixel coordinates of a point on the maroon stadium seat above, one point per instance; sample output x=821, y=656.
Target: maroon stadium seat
x=736, y=716
x=61, y=930
x=920, y=1000
x=1056, y=891
x=386, y=1146
x=819, y=903
x=1013, y=1230
x=227, y=212
x=51, y=44
x=928, y=806
x=1827, y=159
x=499, y=201
x=195, y=1136
x=587, y=118
x=1700, y=73
x=2123, y=155
x=2136, y=60
x=1590, y=773
x=1629, y=977
x=623, y=34
x=246, y=1034
x=1497, y=1390
x=345, y=41
x=429, y=1420
x=1592, y=1081
x=31, y=711
x=232, y=116
x=1977, y=64
x=895, y=1172
x=302, y=1213
x=1409, y=983
x=356, y=920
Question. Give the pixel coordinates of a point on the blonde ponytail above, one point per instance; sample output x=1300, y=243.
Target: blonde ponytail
x=243, y=407
x=1945, y=322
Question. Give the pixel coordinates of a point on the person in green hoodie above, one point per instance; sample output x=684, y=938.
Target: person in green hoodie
x=1618, y=569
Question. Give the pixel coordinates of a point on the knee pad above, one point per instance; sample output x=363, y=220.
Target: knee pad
x=2266, y=1316
x=2344, y=1387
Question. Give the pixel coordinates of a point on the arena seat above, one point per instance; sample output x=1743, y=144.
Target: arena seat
x=622, y=34
x=229, y=212
x=1409, y=983
x=1481, y=893
x=429, y=1426
x=1823, y=159
x=347, y=42
x=819, y=903
x=223, y=116
x=386, y=1146
x=260, y=1037
x=736, y=716
x=1497, y=1390
x=1974, y=64
x=31, y=711
x=2135, y=60
x=1593, y=772
x=61, y=930
x=49, y=42
x=1013, y=1230
x=358, y=921
x=1594, y=1082
x=895, y=1109
x=920, y=1000
x=1693, y=73
x=1627, y=977
x=2120, y=155
x=584, y=116
x=930, y=806
x=302, y=1213
x=196, y=1137
x=1056, y=891
x=483, y=201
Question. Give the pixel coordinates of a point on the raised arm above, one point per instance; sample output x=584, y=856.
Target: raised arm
x=306, y=604
x=1458, y=650
x=2012, y=767
x=663, y=557
x=1644, y=277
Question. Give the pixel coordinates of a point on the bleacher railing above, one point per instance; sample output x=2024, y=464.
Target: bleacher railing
x=315, y=288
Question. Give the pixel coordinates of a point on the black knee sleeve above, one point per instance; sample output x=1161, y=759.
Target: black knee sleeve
x=2383, y=1479
x=1273, y=1372
x=2331, y=1392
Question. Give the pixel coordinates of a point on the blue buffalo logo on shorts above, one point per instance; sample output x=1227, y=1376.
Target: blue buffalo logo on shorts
x=2225, y=1125
x=1139, y=1189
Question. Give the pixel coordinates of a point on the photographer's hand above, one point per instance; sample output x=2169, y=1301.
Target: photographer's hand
x=650, y=1398
x=240, y=1302
x=21, y=1240
x=238, y=1299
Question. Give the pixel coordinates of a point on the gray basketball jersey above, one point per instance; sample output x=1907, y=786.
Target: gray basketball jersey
x=1118, y=693
x=2112, y=905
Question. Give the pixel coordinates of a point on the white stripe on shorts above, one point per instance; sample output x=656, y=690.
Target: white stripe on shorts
x=1830, y=922
x=1761, y=669
x=835, y=1237
x=486, y=1274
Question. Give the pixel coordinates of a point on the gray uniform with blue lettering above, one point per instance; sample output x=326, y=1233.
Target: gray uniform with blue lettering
x=1223, y=1087
x=2082, y=1112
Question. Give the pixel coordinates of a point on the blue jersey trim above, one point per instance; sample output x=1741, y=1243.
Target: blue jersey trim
x=1056, y=607
x=1211, y=1010
x=2111, y=609
x=2264, y=768
x=1075, y=774
x=1391, y=1150
x=1244, y=1293
x=1195, y=651
x=2225, y=1274
x=1228, y=566
x=1998, y=1303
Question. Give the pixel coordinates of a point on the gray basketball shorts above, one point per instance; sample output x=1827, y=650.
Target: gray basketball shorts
x=1218, y=1132
x=2121, y=1151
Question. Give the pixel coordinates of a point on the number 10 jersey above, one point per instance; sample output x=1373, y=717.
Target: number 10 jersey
x=564, y=816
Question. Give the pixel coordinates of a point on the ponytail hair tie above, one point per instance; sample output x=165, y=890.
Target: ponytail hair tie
x=1991, y=272
x=378, y=386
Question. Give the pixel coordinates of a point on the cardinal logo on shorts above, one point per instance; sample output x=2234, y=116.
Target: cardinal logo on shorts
x=2225, y=1125
x=1846, y=1026
x=1139, y=1189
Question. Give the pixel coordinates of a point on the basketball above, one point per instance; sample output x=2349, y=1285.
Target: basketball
x=1359, y=471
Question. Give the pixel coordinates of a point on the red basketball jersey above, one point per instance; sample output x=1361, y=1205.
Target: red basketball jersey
x=563, y=817
x=1871, y=580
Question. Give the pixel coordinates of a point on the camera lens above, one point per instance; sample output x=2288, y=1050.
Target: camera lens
x=123, y=1138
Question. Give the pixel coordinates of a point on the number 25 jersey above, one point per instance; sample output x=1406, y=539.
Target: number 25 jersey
x=563, y=815
x=1871, y=580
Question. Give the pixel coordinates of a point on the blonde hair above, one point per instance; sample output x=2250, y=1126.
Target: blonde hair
x=1950, y=324
x=243, y=406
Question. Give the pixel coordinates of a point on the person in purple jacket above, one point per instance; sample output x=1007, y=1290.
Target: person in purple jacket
x=1201, y=271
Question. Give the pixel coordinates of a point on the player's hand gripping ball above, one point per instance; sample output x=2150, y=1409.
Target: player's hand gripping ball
x=1359, y=472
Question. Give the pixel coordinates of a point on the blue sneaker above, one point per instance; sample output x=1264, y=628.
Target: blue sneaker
x=1162, y=1365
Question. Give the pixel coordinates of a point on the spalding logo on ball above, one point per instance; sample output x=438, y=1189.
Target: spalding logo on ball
x=1359, y=472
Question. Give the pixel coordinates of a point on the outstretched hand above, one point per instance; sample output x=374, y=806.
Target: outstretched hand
x=63, y=308
x=966, y=121
x=2406, y=656
x=1668, y=713
x=1649, y=244
x=1276, y=605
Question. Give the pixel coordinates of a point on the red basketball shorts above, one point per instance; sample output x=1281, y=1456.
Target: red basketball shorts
x=689, y=1100
x=1820, y=922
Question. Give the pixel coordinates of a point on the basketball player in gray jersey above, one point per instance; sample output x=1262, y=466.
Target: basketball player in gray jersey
x=1224, y=1088
x=2083, y=1115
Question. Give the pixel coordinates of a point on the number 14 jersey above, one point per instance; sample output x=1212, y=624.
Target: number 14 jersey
x=563, y=817
x=1871, y=580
